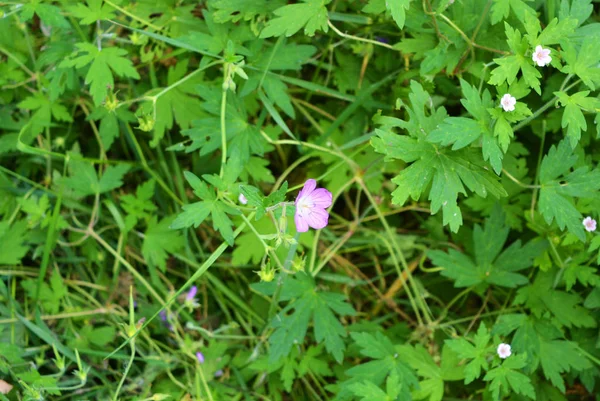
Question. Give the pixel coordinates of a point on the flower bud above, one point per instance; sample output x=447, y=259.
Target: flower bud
x=146, y=123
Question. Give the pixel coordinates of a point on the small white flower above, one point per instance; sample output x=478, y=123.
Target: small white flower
x=541, y=56
x=589, y=224
x=508, y=102
x=243, y=199
x=504, y=350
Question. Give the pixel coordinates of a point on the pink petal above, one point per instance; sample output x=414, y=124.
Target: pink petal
x=317, y=218
x=301, y=224
x=321, y=198
x=309, y=186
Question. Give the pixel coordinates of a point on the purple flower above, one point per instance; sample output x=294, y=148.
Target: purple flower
x=200, y=357
x=191, y=294
x=310, y=207
x=219, y=373
x=165, y=319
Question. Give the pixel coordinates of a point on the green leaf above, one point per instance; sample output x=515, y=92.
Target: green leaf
x=450, y=172
x=310, y=15
x=490, y=265
x=387, y=363
x=477, y=352
x=505, y=379
x=458, y=131
x=509, y=66
x=398, y=9
x=565, y=307
x=579, y=10
x=573, y=118
x=432, y=386
x=84, y=182
x=102, y=64
x=583, y=63
x=559, y=188
x=93, y=12
x=45, y=111
x=180, y=104
x=553, y=33
x=557, y=357
x=236, y=10
x=320, y=306
x=140, y=206
x=12, y=240
x=159, y=240
x=501, y=10
x=49, y=14
x=194, y=214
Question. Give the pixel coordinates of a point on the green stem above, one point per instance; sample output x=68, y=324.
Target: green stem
x=129, y=363
x=223, y=132
x=281, y=278
x=545, y=107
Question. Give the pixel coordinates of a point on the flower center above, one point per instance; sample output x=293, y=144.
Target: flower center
x=304, y=205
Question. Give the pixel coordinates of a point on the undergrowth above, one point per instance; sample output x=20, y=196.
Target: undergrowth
x=322, y=200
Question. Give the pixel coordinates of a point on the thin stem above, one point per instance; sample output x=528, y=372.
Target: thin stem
x=519, y=183
x=358, y=38
x=223, y=132
x=545, y=107
x=18, y=62
x=281, y=278
x=132, y=16
x=132, y=344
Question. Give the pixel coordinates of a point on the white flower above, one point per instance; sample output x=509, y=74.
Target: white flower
x=243, y=199
x=508, y=102
x=589, y=224
x=504, y=350
x=541, y=56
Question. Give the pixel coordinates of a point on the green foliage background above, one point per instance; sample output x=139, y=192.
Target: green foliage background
x=129, y=130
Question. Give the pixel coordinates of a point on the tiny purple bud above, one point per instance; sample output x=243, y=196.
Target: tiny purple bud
x=200, y=357
x=219, y=373
x=191, y=294
x=163, y=315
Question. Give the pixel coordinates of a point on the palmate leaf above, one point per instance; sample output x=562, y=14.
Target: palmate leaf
x=236, y=10
x=541, y=298
x=434, y=375
x=310, y=15
x=102, y=64
x=461, y=131
x=501, y=9
x=506, y=379
x=559, y=187
x=489, y=265
x=194, y=214
x=49, y=14
x=83, y=180
x=509, y=66
x=159, y=241
x=93, y=12
x=12, y=242
x=582, y=62
x=386, y=363
x=177, y=105
x=477, y=352
x=311, y=304
x=450, y=172
x=398, y=9
x=573, y=118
